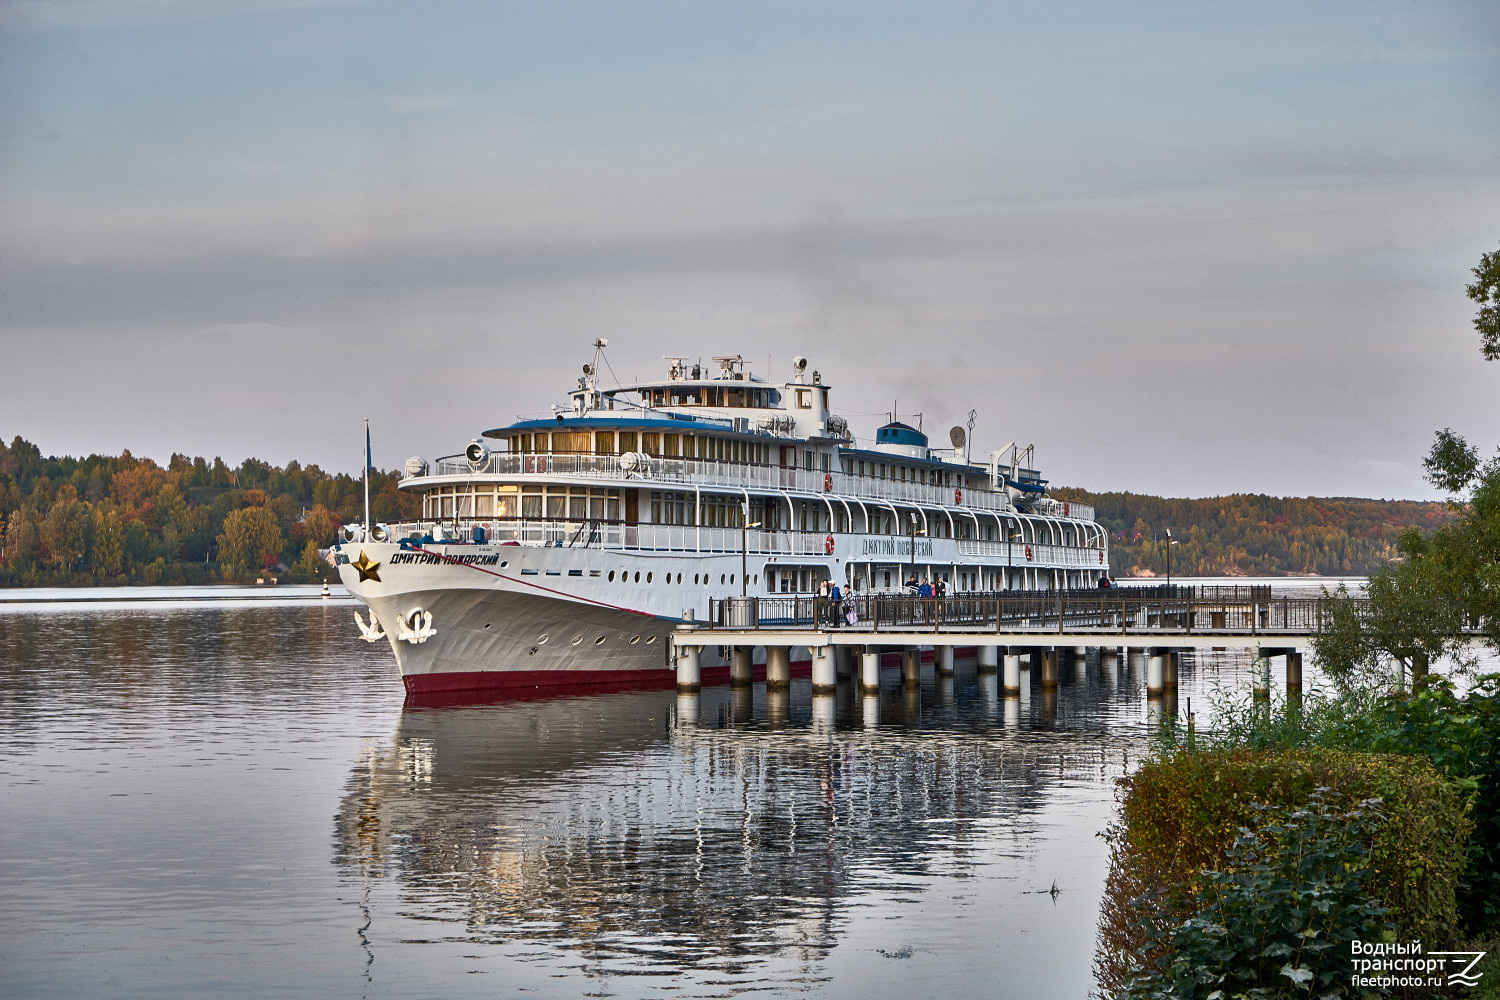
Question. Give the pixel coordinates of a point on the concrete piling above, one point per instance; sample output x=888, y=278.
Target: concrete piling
x=741, y=666
x=1262, y=679
x=689, y=674
x=778, y=668
x=911, y=667
x=1049, y=668
x=943, y=659
x=1156, y=670
x=1011, y=681
x=824, y=670
x=988, y=659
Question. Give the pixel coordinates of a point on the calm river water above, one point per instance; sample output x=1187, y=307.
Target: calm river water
x=229, y=797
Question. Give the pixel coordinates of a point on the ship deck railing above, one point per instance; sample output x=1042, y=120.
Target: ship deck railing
x=688, y=473
x=758, y=542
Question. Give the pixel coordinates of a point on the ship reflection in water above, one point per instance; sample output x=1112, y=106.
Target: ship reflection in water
x=727, y=842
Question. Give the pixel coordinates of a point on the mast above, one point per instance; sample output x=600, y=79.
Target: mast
x=367, y=477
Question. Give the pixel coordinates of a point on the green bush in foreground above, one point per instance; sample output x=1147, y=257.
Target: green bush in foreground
x=1180, y=816
x=1276, y=920
x=1458, y=733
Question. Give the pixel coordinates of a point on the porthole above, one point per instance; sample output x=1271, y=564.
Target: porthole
x=542, y=640
x=611, y=576
x=637, y=576
x=721, y=579
x=504, y=564
x=648, y=577
x=576, y=640
x=599, y=641
x=650, y=639
x=486, y=624
x=731, y=577
x=695, y=579
x=634, y=639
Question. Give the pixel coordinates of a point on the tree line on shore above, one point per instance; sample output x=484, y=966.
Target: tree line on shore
x=118, y=519
x=1255, y=535
x=109, y=519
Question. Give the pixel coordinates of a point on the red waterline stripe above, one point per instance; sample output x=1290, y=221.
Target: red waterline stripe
x=547, y=683
x=538, y=586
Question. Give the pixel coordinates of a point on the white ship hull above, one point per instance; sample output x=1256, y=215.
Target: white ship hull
x=513, y=616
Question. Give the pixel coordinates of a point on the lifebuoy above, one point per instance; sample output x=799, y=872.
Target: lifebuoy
x=828, y=545
x=1067, y=509
x=1101, y=558
x=1028, y=553
x=958, y=494
x=827, y=482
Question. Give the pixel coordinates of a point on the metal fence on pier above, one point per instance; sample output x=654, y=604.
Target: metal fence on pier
x=1184, y=609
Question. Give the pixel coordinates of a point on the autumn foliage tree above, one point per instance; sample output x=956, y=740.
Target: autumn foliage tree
x=251, y=541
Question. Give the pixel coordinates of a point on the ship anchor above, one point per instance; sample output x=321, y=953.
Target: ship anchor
x=371, y=632
x=416, y=626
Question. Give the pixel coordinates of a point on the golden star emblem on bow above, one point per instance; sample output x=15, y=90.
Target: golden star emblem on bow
x=368, y=568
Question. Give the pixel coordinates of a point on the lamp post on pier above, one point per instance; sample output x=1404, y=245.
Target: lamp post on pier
x=1170, y=542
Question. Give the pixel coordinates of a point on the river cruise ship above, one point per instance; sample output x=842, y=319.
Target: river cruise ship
x=565, y=547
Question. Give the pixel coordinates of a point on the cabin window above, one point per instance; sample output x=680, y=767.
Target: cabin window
x=804, y=399
x=651, y=443
x=571, y=442
x=669, y=445
x=531, y=505
x=823, y=461
x=556, y=506
x=627, y=442
x=807, y=460
x=604, y=442
x=541, y=442
x=578, y=505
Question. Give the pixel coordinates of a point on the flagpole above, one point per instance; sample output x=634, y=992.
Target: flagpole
x=367, y=478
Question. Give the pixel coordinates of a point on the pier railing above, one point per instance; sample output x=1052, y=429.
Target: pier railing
x=1180, y=609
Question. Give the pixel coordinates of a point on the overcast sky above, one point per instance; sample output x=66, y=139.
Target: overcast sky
x=1185, y=249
